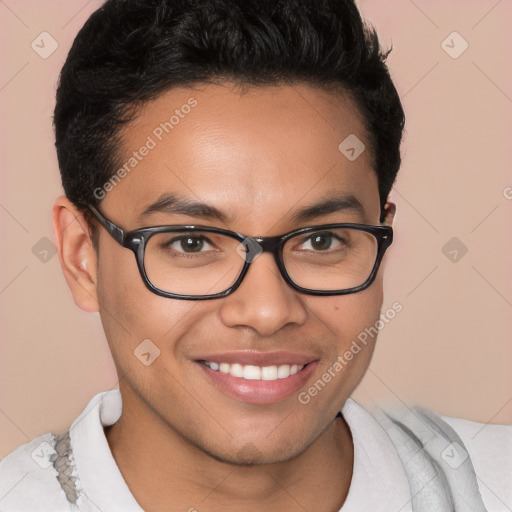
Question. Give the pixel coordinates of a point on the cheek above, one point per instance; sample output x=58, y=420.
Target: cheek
x=346, y=320
x=346, y=313
x=349, y=319
x=131, y=313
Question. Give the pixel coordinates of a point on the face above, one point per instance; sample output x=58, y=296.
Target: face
x=258, y=159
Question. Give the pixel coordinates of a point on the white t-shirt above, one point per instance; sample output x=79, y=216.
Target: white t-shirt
x=28, y=478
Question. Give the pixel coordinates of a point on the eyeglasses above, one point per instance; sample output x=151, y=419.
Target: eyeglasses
x=199, y=262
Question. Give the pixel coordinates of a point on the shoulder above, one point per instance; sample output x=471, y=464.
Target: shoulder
x=28, y=479
x=490, y=449
x=457, y=461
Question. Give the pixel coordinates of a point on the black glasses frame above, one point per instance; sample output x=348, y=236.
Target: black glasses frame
x=136, y=241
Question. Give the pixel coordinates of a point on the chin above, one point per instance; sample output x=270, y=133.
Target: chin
x=251, y=455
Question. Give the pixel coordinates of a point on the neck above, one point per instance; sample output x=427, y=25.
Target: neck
x=164, y=471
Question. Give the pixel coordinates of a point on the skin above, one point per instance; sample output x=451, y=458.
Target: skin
x=258, y=157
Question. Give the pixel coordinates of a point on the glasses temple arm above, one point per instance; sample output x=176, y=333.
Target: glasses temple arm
x=116, y=232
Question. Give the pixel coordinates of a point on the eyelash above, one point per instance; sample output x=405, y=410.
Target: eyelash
x=167, y=245
x=335, y=237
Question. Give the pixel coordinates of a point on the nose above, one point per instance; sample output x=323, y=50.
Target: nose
x=264, y=301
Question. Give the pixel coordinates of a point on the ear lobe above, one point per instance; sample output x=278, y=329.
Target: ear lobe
x=389, y=213
x=76, y=253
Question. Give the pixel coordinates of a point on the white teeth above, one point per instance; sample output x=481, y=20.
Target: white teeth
x=237, y=370
x=269, y=373
x=283, y=371
x=251, y=372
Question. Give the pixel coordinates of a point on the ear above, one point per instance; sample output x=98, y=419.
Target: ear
x=76, y=253
x=389, y=213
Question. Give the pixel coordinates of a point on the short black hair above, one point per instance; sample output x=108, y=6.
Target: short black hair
x=130, y=51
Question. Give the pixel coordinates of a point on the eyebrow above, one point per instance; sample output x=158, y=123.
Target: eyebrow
x=172, y=203
x=175, y=204
x=334, y=204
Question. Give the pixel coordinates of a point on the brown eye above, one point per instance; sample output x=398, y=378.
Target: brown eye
x=322, y=241
x=188, y=244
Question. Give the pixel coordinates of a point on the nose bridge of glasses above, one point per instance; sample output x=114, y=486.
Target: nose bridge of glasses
x=254, y=246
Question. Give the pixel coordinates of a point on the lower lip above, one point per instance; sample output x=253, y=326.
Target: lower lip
x=258, y=391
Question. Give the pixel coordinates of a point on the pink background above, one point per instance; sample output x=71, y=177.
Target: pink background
x=448, y=349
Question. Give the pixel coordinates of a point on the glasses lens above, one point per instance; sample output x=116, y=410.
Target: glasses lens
x=333, y=259
x=193, y=262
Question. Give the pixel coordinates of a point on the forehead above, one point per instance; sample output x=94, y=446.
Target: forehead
x=255, y=156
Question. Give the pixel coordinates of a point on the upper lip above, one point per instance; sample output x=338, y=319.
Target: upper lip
x=255, y=358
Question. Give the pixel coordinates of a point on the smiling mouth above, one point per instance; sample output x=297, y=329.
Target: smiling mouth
x=258, y=381
x=251, y=372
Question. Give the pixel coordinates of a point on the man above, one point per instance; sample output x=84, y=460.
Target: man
x=226, y=166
